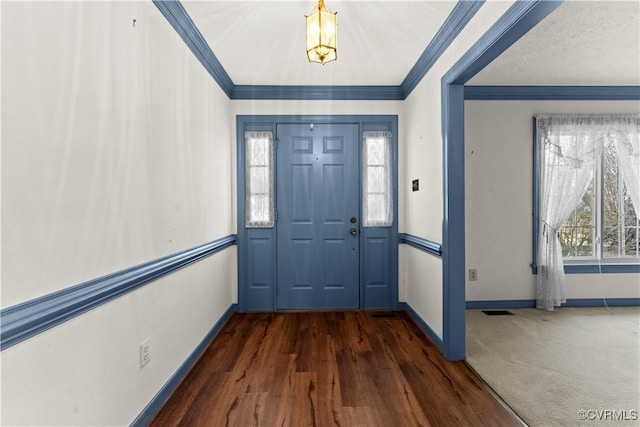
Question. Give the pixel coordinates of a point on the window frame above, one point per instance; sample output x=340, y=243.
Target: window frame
x=387, y=171
x=587, y=265
x=270, y=167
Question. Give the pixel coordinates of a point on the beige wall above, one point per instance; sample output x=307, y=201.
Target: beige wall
x=421, y=158
x=116, y=150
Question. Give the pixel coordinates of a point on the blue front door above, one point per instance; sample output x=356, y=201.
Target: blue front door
x=318, y=217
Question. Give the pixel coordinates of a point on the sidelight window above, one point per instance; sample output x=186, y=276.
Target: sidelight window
x=377, y=189
x=259, y=192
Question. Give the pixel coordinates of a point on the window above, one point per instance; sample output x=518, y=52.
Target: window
x=586, y=193
x=259, y=194
x=377, y=190
x=604, y=226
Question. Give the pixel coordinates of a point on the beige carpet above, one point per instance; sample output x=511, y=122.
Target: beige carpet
x=548, y=366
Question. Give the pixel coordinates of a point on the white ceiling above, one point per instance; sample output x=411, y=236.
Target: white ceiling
x=262, y=43
x=582, y=43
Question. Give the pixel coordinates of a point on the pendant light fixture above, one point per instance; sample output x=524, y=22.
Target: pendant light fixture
x=322, y=34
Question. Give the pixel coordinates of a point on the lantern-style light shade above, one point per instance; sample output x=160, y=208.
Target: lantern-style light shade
x=322, y=34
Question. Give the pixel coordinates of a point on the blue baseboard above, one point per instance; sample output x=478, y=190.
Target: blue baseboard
x=523, y=303
x=154, y=406
x=603, y=302
x=576, y=302
x=433, y=336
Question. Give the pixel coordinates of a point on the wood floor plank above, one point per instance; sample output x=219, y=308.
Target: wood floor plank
x=354, y=384
x=281, y=395
x=330, y=409
x=388, y=378
x=201, y=410
x=303, y=411
x=251, y=409
x=359, y=416
x=218, y=357
x=328, y=369
x=351, y=332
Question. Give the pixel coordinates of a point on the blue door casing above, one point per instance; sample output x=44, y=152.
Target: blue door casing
x=261, y=279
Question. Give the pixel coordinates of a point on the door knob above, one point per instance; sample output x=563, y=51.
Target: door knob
x=353, y=231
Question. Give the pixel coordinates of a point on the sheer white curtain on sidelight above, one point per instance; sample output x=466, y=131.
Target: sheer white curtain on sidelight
x=568, y=148
x=377, y=188
x=259, y=192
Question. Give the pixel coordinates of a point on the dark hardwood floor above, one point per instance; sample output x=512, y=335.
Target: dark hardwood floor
x=328, y=369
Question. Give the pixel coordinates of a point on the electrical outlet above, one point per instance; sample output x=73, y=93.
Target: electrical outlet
x=473, y=275
x=145, y=352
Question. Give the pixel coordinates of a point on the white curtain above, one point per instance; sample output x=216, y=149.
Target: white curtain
x=627, y=140
x=567, y=152
x=568, y=147
x=377, y=191
x=259, y=193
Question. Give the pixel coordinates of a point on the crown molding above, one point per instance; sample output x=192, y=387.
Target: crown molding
x=180, y=20
x=552, y=93
x=356, y=93
x=452, y=26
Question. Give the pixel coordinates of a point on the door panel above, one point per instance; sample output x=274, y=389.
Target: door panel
x=301, y=206
x=260, y=271
x=317, y=194
x=377, y=276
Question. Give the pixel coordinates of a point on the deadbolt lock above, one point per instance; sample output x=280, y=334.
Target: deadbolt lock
x=353, y=220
